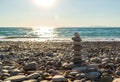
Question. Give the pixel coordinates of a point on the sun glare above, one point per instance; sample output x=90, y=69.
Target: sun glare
x=44, y=3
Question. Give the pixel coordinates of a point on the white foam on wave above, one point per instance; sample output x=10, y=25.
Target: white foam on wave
x=101, y=39
x=58, y=39
x=36, y=39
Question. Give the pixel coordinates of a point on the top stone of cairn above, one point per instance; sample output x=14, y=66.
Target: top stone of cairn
x=76, y=37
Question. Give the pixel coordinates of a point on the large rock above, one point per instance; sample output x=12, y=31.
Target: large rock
x=93, y=75
x=116, y=80
x=58, y=78
x=17, y=78
x=30, y=66
x=107, y=79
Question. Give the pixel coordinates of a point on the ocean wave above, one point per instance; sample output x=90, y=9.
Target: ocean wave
x=57, y=39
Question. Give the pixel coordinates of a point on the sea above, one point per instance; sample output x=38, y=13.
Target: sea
x=59, y=33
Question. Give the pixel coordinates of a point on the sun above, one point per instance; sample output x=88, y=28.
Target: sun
x=44, y=3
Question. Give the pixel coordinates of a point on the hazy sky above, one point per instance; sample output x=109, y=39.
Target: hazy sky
x=63, y=13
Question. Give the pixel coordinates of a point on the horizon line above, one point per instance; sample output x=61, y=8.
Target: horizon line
x=62, y=26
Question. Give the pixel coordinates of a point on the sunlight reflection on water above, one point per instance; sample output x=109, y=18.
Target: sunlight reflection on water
x=44, y=32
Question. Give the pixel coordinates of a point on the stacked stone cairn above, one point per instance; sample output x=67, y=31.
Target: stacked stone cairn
x=76, y=49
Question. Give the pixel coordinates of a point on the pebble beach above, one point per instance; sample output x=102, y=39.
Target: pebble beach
x=51, y=62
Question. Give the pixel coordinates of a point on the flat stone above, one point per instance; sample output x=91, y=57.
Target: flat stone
x=58, y=78
x=77, y=39
x=4, y=71
x=17, y=78
x=44, y=81
x=76, y=47
x=79, y=81
x=80, y=69
x=76, y=43
x=105, y=59
x=33, y=76
x=77, y=52
x=73, y=73
x=0, y=63
x=89, y=81
x=32, y=80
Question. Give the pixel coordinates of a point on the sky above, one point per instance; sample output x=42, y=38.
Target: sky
x=64, y=13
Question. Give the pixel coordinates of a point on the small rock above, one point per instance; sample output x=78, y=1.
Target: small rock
x=44, y=81
x=80, y=80
x=73, y=73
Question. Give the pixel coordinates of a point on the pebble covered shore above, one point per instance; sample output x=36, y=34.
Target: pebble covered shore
x=51, y=62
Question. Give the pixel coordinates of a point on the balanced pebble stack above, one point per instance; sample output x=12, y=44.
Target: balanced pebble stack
x=76, y=48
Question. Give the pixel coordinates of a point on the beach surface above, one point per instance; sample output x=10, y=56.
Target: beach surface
x=51, y=61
